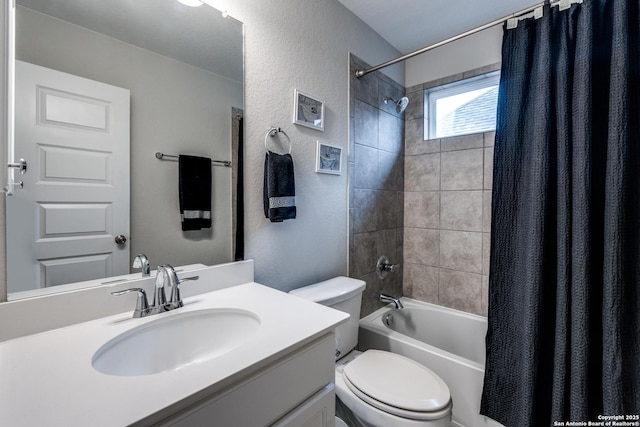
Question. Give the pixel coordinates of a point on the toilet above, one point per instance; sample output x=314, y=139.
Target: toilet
x=379, y=388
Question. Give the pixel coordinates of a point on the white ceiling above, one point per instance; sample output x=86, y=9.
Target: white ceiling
x=198, y=36
x=413, y=24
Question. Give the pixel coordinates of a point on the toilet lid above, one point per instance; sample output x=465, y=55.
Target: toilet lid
x=397, y=381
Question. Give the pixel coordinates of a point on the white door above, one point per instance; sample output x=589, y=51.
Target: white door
x=74, y=135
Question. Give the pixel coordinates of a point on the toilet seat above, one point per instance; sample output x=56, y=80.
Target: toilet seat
x=397, y=385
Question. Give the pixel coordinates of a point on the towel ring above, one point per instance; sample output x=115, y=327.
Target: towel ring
x=273, y=132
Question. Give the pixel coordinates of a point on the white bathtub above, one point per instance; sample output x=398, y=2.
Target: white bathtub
x=449, y=342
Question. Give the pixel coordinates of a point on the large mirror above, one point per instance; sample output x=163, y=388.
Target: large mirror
x=106, y=93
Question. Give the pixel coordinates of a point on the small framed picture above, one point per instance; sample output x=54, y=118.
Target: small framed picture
x=308, y=111
x=328, y=158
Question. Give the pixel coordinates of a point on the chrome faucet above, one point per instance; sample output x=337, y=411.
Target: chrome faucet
x=165, y=276
x=141, y=261
x=388, y=298
x=169, y=273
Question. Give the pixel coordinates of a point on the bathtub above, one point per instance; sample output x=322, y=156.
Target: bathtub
x=447, y=341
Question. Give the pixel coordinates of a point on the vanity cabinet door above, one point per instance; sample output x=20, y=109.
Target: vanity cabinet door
x=318, y=411
x=304, y=377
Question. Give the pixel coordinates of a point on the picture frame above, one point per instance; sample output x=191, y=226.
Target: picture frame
x=328, y=158
x=308, y=110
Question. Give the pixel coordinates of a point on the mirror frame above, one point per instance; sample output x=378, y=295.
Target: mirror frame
x=7, y=18
x=8, y=57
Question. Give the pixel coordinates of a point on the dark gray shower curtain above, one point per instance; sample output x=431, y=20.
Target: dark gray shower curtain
x=563, y=342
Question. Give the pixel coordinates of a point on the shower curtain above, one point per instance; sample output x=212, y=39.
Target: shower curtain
x=563, y=342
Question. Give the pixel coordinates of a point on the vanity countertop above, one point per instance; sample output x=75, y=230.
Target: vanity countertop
x=47, y=378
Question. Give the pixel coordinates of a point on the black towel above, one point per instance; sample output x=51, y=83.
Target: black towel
x=195, y=192
x=279, y=187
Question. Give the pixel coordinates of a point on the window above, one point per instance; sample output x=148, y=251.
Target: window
x=463, y=107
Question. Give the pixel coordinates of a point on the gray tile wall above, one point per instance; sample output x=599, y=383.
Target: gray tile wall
x=376, y=183
x=447, y=221
x=447, y=211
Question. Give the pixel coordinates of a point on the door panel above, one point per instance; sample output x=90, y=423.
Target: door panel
x=71, y=110
x=62, y=220
x=76, y=164
x=73, y=269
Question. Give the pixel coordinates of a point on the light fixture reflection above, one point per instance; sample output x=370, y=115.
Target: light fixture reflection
x=191, y=3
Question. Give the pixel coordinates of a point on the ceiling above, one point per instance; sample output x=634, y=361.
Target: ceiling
x=212, y=42
x=410, y=25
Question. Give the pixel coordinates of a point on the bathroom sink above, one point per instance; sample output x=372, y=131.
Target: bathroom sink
x=175, y=342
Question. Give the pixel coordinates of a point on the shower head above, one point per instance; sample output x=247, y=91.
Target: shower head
x=401, y=104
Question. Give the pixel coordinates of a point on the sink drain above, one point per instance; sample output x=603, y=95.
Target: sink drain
x=388, y=319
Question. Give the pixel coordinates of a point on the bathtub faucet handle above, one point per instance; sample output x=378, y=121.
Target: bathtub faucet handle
x=389, y=299
x=383, y=267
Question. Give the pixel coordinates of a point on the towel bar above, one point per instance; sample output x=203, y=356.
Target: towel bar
x=161, y=156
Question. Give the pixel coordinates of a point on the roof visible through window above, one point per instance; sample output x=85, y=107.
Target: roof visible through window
x=460, y=108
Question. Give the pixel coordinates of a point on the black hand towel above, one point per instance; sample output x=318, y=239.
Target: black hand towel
x=195, y=192
x=279, y=187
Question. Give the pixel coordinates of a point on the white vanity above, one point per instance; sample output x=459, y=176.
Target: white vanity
x=273, y=364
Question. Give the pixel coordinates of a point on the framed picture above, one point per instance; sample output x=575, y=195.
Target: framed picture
x=328, y=158
x=308, y=111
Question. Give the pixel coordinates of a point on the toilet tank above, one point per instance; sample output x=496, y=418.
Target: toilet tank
x=344, y=294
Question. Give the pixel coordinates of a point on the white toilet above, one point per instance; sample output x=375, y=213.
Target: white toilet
x=380, y=388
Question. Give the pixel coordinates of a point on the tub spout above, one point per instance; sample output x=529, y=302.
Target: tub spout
x=388, y=298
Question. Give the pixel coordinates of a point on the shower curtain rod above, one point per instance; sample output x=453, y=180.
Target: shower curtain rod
x=360, y=73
